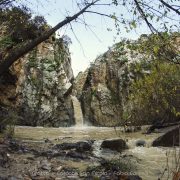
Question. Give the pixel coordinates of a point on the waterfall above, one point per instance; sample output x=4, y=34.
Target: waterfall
x=77, y=111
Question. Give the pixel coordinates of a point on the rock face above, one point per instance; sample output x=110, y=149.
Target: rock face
x=39, y=86
x=79, y=82
x=103, y=88
x=114, y=144
x=169, y=139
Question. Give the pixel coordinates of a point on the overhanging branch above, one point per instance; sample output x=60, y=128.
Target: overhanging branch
x=151, y=27
x=102, y=14
x=18, y=52
x=170, y=7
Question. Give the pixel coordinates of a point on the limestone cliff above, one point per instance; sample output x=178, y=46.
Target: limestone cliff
x=103, y=88
x=38, y=86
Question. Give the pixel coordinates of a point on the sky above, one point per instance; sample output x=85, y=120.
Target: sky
x=90, y=41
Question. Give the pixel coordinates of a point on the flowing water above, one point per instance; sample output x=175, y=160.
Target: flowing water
x=77, y=111
x=149, y=161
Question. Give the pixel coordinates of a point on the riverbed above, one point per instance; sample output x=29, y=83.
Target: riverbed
x=151, y=162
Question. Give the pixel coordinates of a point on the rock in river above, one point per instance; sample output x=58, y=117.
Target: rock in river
x=79, y=146
x=169, y=139
x=140, y=142
x=114, y=144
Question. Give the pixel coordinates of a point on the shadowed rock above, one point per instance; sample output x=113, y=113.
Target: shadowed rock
x=140, y=142
x=79, y=146
x=169, y=139
x=114, y=144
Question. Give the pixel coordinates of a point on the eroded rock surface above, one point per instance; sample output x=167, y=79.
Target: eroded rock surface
x=104, y=87
x=38, y=86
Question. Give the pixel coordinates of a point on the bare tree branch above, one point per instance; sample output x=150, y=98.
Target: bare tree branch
x=5, y=3
x=151, y=9
x=102, y=14
x=151, y=27
x=169, y=6
x=18, y=52
x=77, y=39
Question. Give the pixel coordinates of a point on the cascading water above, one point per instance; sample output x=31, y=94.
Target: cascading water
x=77, y=111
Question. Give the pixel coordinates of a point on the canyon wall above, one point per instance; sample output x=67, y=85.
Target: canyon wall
x=103, y=88
x=37, y=88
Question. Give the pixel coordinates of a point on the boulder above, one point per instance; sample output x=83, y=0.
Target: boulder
x=78, y=146
x=169, y=139
x=114, y=144
x=84, y=146
x=77, y=155
x=140, y=142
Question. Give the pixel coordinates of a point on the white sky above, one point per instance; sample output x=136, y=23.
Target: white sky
x=88, y=46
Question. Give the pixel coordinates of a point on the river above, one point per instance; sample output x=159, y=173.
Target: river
x=150, y=162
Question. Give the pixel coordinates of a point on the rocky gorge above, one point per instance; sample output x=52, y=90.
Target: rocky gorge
x=38, y=86
x=70, y=128
x=119, y=119
x=103, y=88
x=107, y=88
x=41, y=90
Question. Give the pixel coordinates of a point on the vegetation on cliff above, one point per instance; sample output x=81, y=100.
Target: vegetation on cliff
x=134, y=82
x=153, y=93
x=154, y=98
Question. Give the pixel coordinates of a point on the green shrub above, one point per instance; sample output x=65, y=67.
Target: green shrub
x=155, y=96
